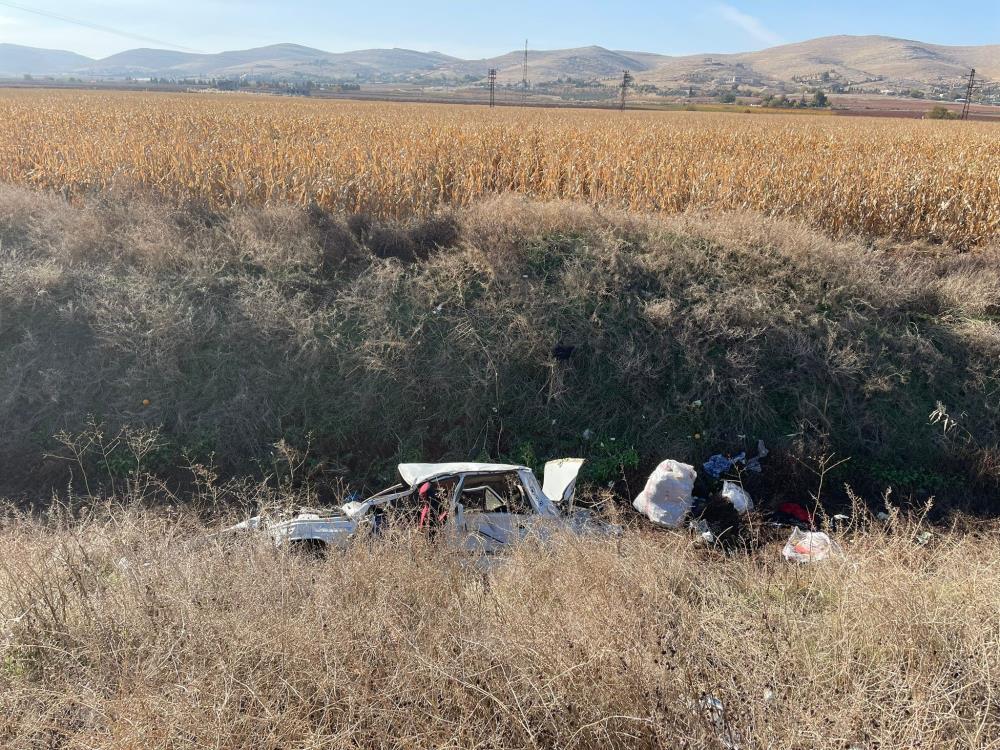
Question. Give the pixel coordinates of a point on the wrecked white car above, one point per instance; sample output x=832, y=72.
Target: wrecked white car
x=476, y=507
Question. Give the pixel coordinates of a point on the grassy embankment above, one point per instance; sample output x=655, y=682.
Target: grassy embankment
x=371, y=343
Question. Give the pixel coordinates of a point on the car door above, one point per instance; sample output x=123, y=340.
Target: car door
x=492, y=513
x=559, y=481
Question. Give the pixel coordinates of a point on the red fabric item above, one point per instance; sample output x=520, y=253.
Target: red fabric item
x=425, y=509
x=796, y=511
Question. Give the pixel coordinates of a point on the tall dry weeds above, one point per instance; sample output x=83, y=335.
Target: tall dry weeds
x=124, y=628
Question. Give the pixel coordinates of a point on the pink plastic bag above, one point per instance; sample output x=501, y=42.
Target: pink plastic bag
x=809, y=546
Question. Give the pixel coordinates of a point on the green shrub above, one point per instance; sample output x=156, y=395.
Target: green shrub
x=939, y=112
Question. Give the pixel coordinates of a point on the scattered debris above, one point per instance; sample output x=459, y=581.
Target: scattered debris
x=720, y=464
x=792, y=514
x=703, y=531
x=715, y=712
x=840, y=522
x=737, y=496
x=668, y=495
x=809, y=546
x=754, y=463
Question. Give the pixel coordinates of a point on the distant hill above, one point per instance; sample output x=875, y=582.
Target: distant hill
x=16, y=60
x=844, y=59
x=847, y=58
x=136, y=62
x=895, y=59
x=584, y=62
x=274, y=61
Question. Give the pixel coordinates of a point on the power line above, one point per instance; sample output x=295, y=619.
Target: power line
x=626, y=82
x=524, y=76
x=968, y=95
x=97, y=26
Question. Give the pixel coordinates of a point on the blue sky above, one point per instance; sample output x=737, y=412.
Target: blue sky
x=476, y=29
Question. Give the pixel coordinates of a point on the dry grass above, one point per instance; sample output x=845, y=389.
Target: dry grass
x=432, y=339
x=125, y=628
x=907, y=180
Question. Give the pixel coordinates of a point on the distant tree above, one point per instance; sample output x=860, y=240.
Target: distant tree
x=727, y=97
x=941, y=113
x=819, y=99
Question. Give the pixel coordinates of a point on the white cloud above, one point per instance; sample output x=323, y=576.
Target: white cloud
x=750, y=24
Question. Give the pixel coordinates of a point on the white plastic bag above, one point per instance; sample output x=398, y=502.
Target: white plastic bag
x=809, y=546
x=667, y=497
x=737, y=496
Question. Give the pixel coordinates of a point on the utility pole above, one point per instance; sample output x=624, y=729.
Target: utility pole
x=626, y=82
x=524, y=77
x=493, y=87
x=968, y=95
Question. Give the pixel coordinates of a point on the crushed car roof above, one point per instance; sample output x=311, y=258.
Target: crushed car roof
x=414, y=474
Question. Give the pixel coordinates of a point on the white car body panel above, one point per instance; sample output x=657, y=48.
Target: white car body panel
x=334, y=532
x=559, y=480
x=416, y=474
x=473, y=531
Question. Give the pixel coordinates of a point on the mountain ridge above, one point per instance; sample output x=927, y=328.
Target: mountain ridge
x=839, y=58
x=17, y=59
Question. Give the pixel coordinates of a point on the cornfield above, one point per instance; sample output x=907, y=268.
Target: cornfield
x=877, y=178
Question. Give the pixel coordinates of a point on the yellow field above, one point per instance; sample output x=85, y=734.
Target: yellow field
x=904, y=179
